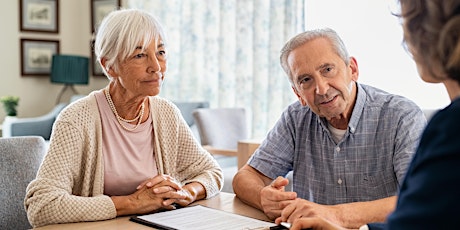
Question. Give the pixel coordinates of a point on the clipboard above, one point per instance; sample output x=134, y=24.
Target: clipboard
x=150, y=224
x=201, y=217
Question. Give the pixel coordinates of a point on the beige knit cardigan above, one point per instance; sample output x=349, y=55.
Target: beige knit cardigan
x=69, y=184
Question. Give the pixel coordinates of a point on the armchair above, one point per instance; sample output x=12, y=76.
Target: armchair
x=20, y=158
x=220, y=130
x=187, y=108
x=33, y=126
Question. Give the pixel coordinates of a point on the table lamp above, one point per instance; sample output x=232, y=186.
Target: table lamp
x=69, y=70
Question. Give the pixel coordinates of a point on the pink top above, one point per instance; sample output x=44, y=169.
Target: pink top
x=129, y=156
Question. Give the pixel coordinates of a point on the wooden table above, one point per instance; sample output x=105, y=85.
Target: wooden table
x=224, y=201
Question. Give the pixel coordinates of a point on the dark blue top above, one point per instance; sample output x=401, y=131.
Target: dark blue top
x=430, y=195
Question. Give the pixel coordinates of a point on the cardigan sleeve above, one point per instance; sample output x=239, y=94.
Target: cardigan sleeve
x=68, y=186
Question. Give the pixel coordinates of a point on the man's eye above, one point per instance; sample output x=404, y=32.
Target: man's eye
x=303, y=80
x=162, y=52
x=327, y=70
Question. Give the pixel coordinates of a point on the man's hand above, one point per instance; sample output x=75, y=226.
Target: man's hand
x=273, y=198
x=301, y=208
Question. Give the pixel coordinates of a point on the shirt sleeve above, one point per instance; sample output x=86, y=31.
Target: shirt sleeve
x=411, y=124
x=275, y=155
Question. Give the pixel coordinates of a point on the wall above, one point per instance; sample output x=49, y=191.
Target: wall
x=364, y=25
x=37, y=94
x=374, y=36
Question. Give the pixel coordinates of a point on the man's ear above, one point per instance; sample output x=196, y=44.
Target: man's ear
x=302, y=102
x=354, y=69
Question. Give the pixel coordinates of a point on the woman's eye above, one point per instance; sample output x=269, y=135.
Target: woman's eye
x=161, y=55
x=139, y=55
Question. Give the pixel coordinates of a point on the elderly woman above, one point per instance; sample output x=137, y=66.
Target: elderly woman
x=122, y=150
x=429, y=195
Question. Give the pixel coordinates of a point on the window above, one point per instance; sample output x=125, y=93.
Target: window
x=374, y=37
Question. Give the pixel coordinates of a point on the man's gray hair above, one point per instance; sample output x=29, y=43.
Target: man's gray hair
x=307, y=36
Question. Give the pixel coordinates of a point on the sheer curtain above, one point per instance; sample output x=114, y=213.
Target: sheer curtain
x=227, y=52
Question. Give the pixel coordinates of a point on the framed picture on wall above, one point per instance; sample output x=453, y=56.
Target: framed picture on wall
x=96, y=68
x=39, y=15
x=99, y=9
x=36, y=56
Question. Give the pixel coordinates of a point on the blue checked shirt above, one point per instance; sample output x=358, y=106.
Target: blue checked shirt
x=368, y=163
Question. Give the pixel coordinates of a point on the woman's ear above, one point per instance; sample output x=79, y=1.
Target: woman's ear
x=104, y=64
x=107, y=68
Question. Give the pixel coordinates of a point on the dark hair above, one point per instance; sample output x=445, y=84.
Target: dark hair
x=432, y=35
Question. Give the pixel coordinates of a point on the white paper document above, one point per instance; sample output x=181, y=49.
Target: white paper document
x=203, y=218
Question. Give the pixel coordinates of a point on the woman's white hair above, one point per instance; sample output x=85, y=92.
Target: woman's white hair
x=121, y=31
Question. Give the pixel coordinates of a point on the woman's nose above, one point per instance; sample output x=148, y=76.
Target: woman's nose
x=154, y=65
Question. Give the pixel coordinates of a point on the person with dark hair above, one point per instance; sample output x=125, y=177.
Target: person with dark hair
x=428, y=198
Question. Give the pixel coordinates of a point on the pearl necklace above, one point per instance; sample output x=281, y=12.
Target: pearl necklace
x=120, y=119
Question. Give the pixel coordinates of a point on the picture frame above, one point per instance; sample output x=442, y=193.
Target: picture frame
x=100, y=9
x=96, y=68
x=39, y=16
x=37, y=55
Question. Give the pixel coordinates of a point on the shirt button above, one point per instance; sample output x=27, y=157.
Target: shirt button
x=339, y=181
x=337, y=149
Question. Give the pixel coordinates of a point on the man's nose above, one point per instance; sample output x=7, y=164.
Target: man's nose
x=322, y=86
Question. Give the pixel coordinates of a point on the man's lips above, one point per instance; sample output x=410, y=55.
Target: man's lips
x=328, y=101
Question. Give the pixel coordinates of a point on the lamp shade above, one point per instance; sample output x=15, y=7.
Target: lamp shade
x=69, y=69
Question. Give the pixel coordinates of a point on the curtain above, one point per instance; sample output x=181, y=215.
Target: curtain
x=227, y=52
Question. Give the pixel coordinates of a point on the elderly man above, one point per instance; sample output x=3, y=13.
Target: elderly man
x=348, y=144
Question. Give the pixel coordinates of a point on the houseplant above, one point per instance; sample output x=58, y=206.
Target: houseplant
x=9, y=104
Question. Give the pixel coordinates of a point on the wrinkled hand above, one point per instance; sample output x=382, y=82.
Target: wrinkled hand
x=273, y=198
x=164, y=183
x=146, y=200
x=189, y=197
x=170, y=189
x=314, y=213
